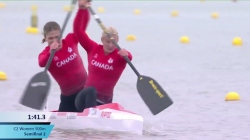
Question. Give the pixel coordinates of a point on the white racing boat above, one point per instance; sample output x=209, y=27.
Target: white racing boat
x=108, y=117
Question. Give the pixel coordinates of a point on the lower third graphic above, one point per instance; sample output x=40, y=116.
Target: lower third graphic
x=35, y=131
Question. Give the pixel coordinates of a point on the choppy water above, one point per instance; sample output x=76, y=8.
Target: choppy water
x=197, y=76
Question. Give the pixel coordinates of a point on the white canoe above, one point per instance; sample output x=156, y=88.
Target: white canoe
x=108, y=117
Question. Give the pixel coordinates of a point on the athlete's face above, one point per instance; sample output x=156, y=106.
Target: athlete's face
x=108, y=46
x=52, y=36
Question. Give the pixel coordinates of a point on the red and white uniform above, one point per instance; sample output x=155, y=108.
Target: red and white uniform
x=103, y=70
x=67, y=67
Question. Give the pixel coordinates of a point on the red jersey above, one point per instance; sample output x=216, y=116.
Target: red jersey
x=67, y=67
x=103, y=70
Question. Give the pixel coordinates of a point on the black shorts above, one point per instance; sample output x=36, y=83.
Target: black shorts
x=79, y=101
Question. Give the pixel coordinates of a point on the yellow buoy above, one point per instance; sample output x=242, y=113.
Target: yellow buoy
x=137, y=11
x=33, y=8
x=174, y=13
x=237, y=41
x=3, y=76
x=101, y=9
x=68, y=8
x=131, y=38
x=215, y=15
x=32, y=29
x=232, y=96
x=184, y=39
x=2, y=5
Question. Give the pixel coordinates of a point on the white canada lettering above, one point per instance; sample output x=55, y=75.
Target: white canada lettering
x=101, y=65
x=67, y=60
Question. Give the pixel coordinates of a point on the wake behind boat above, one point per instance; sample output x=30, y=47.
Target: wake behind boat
x=108, y=117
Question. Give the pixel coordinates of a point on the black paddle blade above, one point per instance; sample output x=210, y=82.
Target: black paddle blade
x=36, y=92
x=153, y=94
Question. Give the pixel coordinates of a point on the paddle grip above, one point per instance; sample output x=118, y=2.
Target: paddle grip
x=112, y=39
x=73, y=2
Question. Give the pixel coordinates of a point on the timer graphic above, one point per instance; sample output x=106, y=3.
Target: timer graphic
x=25, y=125
x=37, y=117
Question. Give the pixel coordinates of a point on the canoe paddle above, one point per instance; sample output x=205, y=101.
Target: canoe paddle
x=37, y=90
x=150, y=91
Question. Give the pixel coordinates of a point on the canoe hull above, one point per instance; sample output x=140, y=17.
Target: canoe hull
x=109, y=117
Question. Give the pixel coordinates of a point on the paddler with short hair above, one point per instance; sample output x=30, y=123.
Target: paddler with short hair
x=67, y=68
x=105, y=62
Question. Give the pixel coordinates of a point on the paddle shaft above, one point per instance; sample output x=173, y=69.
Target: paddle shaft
x=52, y=53
x=112, y=39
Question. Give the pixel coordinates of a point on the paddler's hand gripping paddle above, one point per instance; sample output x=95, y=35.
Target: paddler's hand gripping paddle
x=150, y=91
x=37, y=90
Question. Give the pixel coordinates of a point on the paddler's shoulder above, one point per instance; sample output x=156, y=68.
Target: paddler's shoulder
x=47, y=48
x=71, y=38
x=82, y=10
x=98, y=47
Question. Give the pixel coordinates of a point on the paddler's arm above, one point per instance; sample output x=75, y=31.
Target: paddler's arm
x=80, y=24
x=44, y=57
